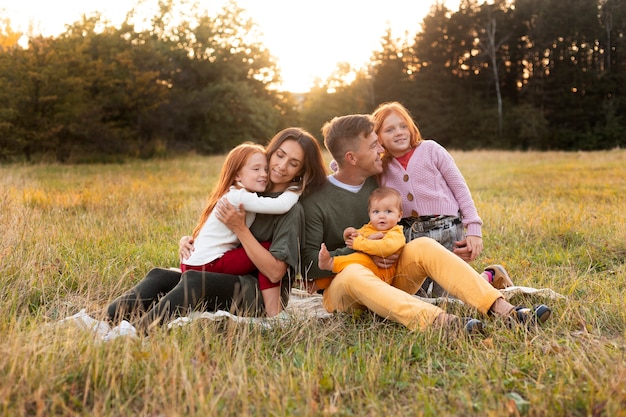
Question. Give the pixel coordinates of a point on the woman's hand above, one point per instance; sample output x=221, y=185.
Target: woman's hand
x=185, y=247
x=234, y=219
x=262, y=258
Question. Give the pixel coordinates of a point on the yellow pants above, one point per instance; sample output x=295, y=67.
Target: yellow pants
x=341, y=262
x=357, y=287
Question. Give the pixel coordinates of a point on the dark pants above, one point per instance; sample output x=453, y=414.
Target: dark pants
x=164, y=293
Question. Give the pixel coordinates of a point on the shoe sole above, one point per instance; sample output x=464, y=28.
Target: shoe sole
x=543, y=314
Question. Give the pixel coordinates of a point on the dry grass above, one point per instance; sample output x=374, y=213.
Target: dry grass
x=75, y=236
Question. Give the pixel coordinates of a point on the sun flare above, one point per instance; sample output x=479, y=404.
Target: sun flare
x=308, y=39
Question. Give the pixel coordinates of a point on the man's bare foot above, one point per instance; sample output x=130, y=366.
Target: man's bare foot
x=465, y=325
x=445, y=320
x=502, y=308
x=324, y=260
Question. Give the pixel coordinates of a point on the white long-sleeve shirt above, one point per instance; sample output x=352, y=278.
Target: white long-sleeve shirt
x=215, y=239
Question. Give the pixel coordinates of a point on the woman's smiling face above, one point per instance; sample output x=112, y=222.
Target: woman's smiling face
x=285, y=164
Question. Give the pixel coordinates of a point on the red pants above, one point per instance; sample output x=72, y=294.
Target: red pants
x=234, y=262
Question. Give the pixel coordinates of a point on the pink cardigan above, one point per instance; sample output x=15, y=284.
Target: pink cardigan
x=433, y=185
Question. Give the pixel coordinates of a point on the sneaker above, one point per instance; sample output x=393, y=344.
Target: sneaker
x=84, y=321
x=123, y=329
x=473, y=326
x=501, y=278
x=539, y=314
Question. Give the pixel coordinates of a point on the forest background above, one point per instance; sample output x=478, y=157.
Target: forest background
x=513, y=75
x=545, y=75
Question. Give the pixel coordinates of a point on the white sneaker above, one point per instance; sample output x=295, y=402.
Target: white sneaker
x=123, y=329
x=84, y=321
x=179, y=322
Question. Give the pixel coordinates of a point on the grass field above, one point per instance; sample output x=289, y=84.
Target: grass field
x=75, y=237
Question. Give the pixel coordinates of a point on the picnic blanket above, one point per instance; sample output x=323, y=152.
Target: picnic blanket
x=302, y=306
x=302, y=302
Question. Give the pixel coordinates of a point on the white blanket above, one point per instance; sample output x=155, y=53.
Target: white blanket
x=302, y=306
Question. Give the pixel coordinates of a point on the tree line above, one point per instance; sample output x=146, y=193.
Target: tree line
x=523, y=74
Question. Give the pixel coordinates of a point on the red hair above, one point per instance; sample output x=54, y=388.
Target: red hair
x=235, y=160
x=384, y=110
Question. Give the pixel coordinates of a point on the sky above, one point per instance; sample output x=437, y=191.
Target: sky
x=307, y=38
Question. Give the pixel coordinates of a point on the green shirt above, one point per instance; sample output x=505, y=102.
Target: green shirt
x=328, y=212
x=284, y=231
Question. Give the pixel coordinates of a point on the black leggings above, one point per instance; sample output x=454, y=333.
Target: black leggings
x=165, y=293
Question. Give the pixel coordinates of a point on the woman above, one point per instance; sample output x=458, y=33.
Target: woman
x=294, y=156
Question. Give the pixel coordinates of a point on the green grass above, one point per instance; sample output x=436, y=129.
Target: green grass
x=76, y=236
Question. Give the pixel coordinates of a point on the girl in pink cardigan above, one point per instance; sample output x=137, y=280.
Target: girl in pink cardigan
x=435, y=197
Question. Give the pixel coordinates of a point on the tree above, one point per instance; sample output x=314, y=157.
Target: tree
x=389, y=71
x=448, y=85
x=221, y=87
x=346, y=91
x=492, y=41
x=8, y=37
x=99, y=92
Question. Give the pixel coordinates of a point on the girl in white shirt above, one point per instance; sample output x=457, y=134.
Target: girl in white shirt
x=217, y=249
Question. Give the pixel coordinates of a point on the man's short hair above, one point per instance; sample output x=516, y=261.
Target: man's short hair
x=342, y=134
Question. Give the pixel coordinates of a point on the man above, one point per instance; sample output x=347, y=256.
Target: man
x=342, y=202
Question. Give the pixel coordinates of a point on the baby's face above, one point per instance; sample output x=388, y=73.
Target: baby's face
x=385, y=213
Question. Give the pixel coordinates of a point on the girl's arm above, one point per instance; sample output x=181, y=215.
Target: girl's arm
x=234, y=219
x=455, y=180
x=267, y=205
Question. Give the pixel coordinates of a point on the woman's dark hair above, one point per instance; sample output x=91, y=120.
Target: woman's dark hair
x=313, y=174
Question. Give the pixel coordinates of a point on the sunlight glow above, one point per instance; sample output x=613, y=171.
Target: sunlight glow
x=308, y=39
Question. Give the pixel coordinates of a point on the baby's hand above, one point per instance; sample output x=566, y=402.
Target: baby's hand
x=376, y=236
x=349, y=233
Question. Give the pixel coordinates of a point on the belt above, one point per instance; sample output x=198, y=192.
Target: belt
x=425, y=223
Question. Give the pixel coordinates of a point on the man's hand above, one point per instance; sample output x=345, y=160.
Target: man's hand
x=386, y=262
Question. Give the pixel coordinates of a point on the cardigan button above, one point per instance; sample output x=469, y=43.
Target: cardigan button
x=406, y=177
x=409, y=197
x=414, y=213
